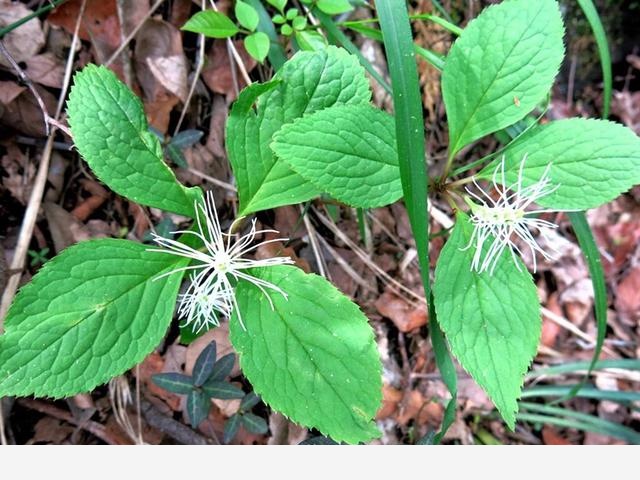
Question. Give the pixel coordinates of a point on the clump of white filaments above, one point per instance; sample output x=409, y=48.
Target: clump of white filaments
x=217, y=267
x=499, y=221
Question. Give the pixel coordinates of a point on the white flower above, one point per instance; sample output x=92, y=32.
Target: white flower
x=499, y=221
x=218, y=266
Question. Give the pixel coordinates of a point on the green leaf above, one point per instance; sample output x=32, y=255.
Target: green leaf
x=211, y=24
x=205, y=362
x=257, y=45
x=310, y=41
x=292, y=13
x=247, y=15
x=198, y=406
x=173, y=382
x=222, y=390
x=254, y=423
x=492, y=322
x=91, y=313
x=306, y=83
x=347, y=150
x=231, y=428
x=299, y=23
x=313, y=357
x=592, y=161
x=110, y=130
x=279, y=4
x=249, y=401
x=334, y=7
x=500, y=68
x=222, y=367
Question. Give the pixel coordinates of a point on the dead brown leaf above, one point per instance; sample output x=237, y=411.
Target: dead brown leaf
x=25, y=41
x=217, y=72
x=391, y=397
x=45, y=69
x=405, y=316
x=24, y=114
x=285, y=432
x=628, y=296
x=64, y=227
x=9, y=91
x=223, y=346
x=550, y=436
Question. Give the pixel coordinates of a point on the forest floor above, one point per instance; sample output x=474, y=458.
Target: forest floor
x=378, y=269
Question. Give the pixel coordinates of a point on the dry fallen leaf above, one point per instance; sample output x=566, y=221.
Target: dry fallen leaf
x=405, y=316
x=223, y=347
x=9, y=91
x=25, y=41
x=65, y=228
x=45, y=69
x=171, y=72
x=217, y=72
x=628, y=296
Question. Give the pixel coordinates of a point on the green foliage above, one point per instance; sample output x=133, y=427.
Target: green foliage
x=592, y=161
x=492, y=322
x=306, y=83
x=334, y=7
x=211, y=24
x=502, y=65
x=246, y=15
x=205, y=383
x=111, y=133
x=351, y=154
x=279, y=4
x=91, y=313
x=312, y=357
x=257, y=45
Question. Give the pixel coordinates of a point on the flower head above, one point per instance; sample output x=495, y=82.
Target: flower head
x=217, y=267
x=499, y=221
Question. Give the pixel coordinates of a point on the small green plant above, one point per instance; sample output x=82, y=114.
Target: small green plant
x=206, y=382
x=101, y=306
x=38, y=257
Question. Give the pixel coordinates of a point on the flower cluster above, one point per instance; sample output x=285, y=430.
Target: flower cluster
x=217, y=267
x=499, y=221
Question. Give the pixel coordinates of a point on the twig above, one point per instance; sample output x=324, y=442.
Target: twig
x=94, y=428
x=314, y=243
x=176, y=430
x=196, y=76
x=132, y=34
x=210, y=179
x=234, y=52
x=35, y=199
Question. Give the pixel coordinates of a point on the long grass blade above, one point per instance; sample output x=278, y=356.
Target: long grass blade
x=599, y=34
x=574, y=367
x=585, y=392
x=407, y=101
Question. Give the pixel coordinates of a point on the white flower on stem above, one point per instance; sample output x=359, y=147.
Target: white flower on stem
x=217, y=267
x=500, y=221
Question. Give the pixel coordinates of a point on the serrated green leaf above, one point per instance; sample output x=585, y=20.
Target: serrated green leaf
x=91, y=313
x=492, y=322
x=222, y=390
x=231, y=428
x=334, y=7
x=502, y=65
x=211, y=24
x=306, y=83
x=347, y=150
x=592, y=161
x=222, y=367
x=204, y=364
x=254, y=423
x=313, y=357
x=257, y=45
x=247, y=15
x=310, y=41
x=111, y=133
x=173, y=382
x=198, y=407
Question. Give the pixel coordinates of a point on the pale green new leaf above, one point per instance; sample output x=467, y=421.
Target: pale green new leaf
x=211, y=24
x=310, y=81
x=110, y=131
x=492, y=322
x=312, y=357
x=592, y=161
x=257, y=45
x=347, y=150
x=334, y=7
x=247, y=15
x=502, y=65
x=91, y=313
